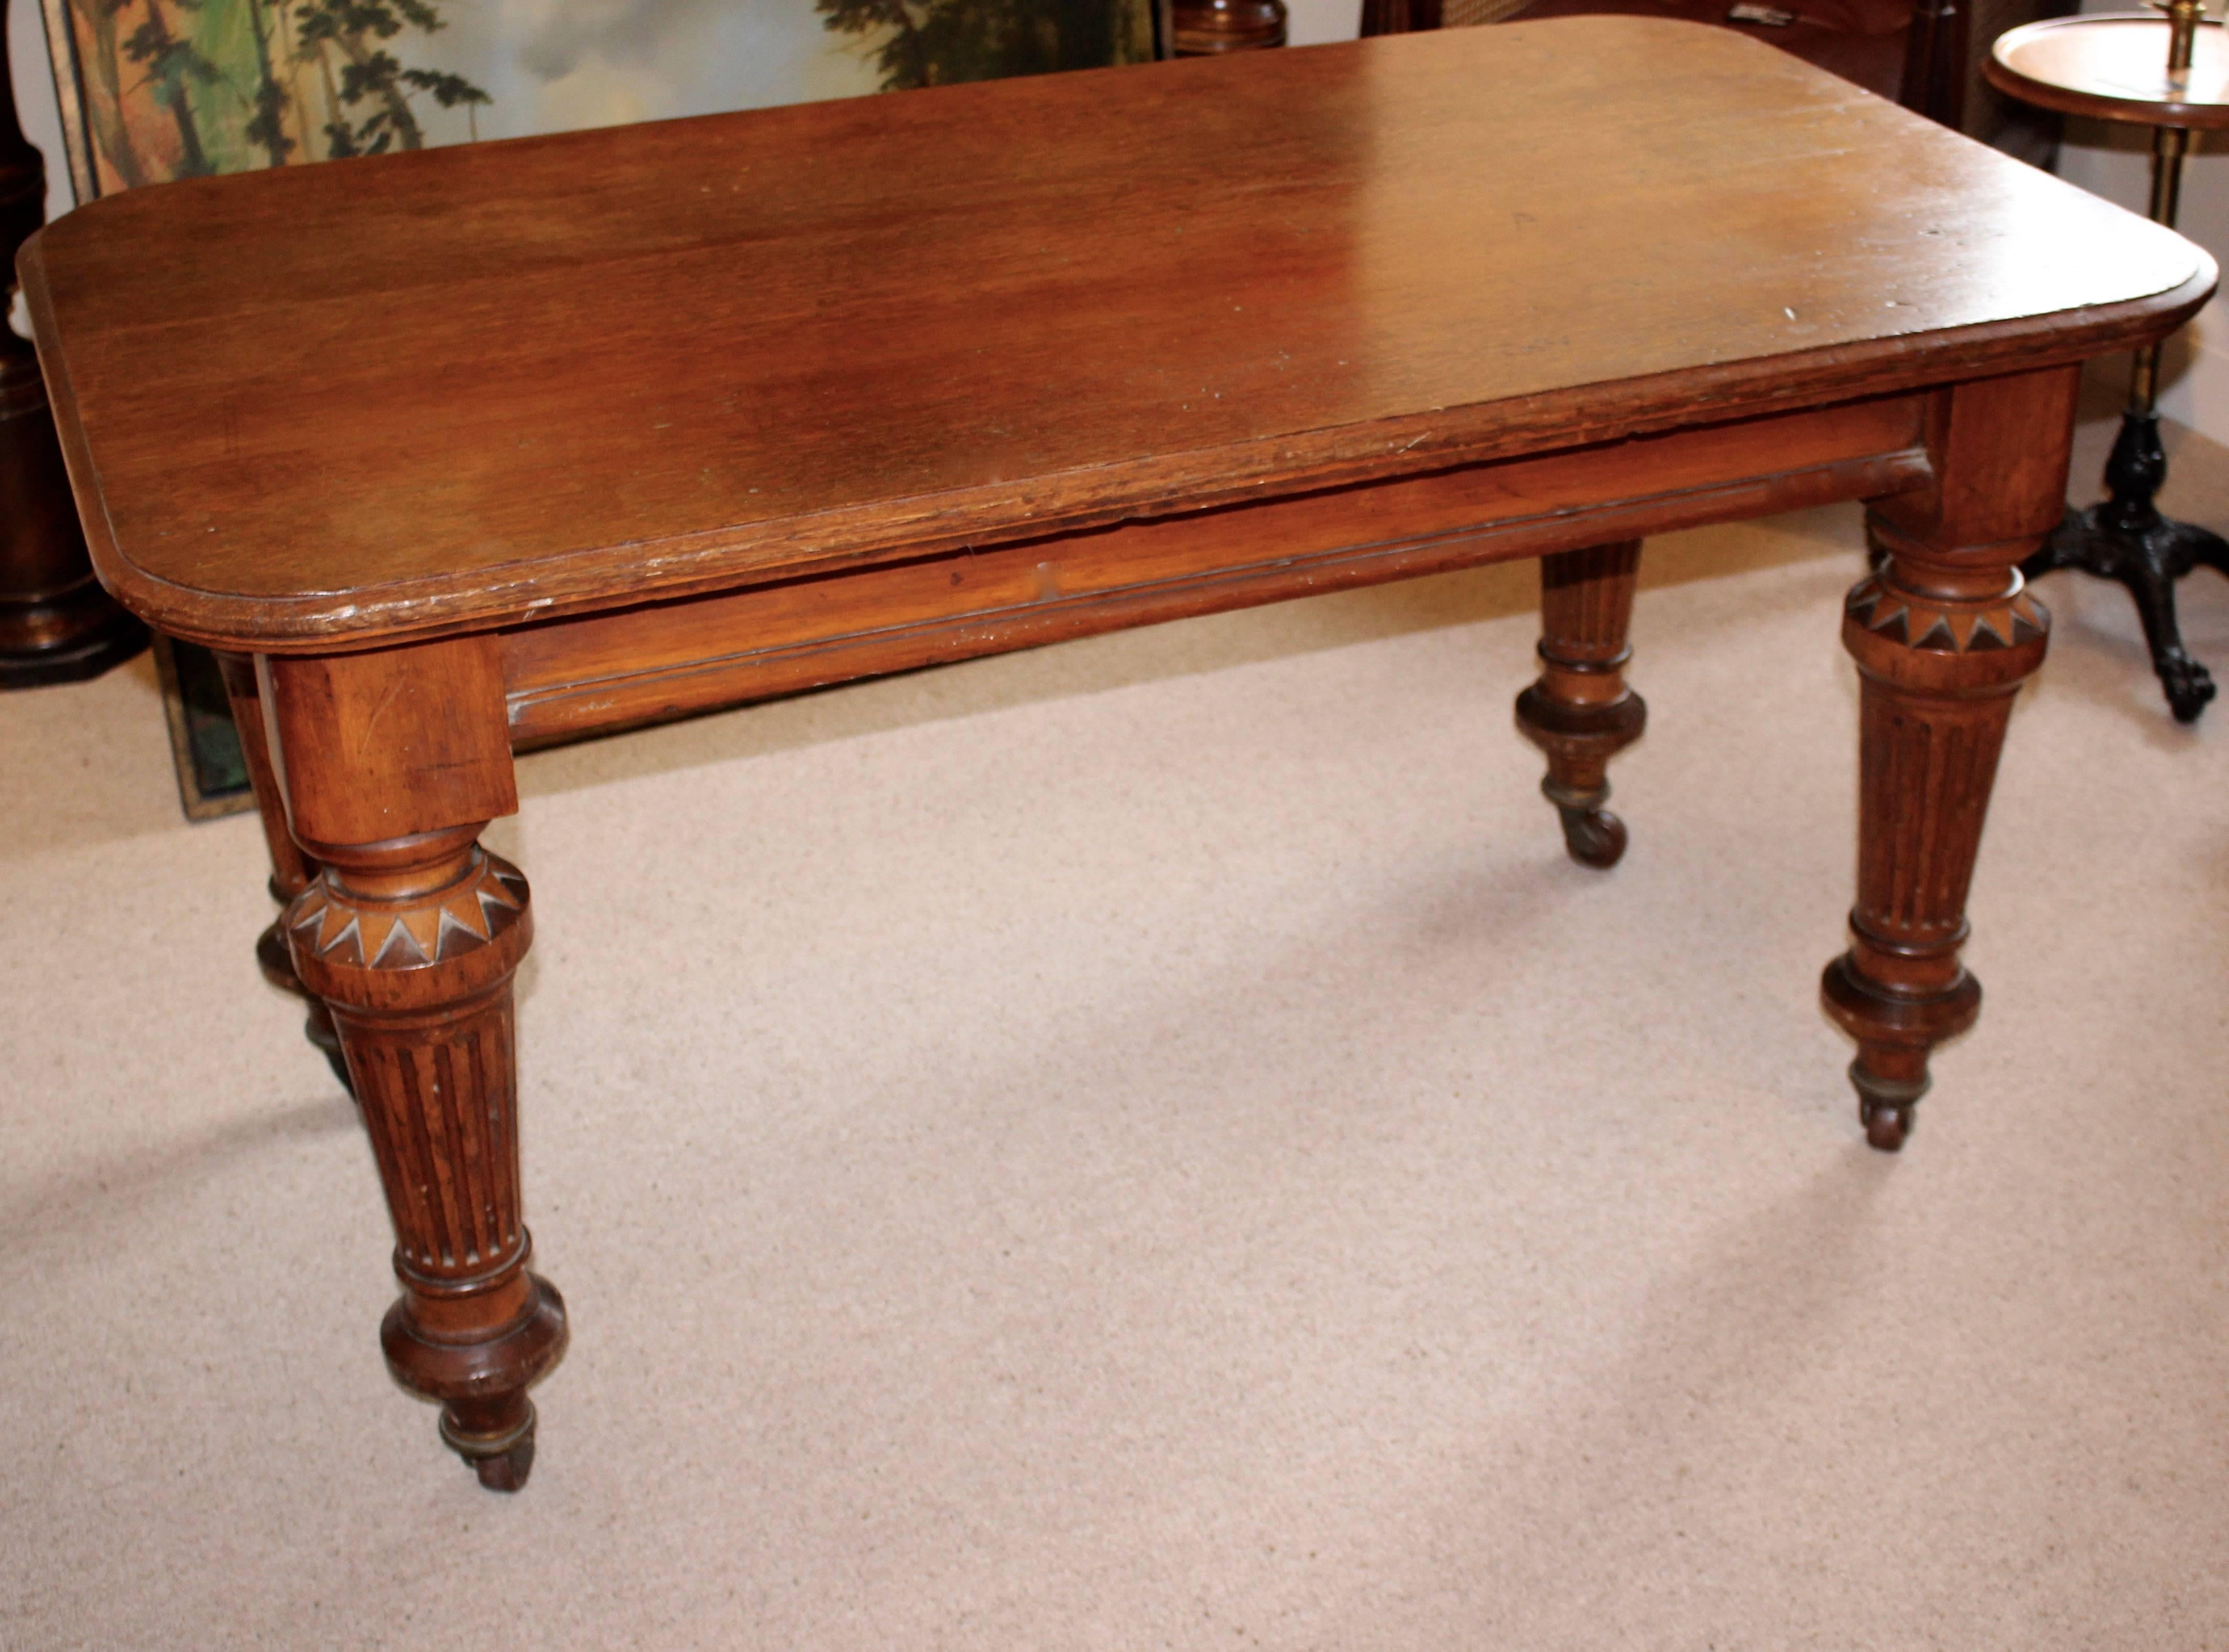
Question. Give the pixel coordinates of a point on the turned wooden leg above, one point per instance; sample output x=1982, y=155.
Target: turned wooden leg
x=1580, y=712
x=414, y=943
x=1944, y=635
x=1937, y=675
x=411, y=936
x=290, y=870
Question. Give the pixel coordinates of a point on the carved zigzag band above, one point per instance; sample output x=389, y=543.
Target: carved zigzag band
x=1944, y=627
x=470, y=913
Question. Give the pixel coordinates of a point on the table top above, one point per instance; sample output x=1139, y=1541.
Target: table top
x=336, y=405
x=2113, y=65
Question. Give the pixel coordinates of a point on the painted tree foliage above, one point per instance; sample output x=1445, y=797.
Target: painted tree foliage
x=935, y=43
x=180, y=88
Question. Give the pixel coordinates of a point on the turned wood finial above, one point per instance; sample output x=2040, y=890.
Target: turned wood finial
x=1209, y=28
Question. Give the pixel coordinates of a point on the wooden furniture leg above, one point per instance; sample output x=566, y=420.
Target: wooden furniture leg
x=392, y=762
x=290, y=870
x=1580, y=712
x=1944, y=634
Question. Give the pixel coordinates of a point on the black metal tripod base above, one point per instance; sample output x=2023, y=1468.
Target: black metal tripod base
x=2126, y=540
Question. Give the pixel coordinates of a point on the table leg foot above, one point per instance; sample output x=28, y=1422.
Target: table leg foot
x=504, y=1470
x=1592, y=835
x=1895, y=1033
x=486, y=1418
x=1887, y=1120
x=1580, y=712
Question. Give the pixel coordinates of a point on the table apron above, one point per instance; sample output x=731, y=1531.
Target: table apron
x=571, y=677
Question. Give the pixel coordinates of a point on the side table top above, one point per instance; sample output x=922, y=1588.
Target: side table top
x=345, y=404
x=2112, y=66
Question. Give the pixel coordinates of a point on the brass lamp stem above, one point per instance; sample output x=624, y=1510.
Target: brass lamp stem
x=2170, y=144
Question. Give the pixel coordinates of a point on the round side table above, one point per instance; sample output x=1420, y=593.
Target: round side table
x=2170, y=73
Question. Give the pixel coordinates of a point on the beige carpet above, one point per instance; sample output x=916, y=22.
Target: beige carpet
x=1149, y=1143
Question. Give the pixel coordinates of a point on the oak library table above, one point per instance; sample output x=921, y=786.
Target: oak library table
x=462, y=450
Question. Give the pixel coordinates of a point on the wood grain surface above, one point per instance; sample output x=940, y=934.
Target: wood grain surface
x=337, y=407
x=650, y=661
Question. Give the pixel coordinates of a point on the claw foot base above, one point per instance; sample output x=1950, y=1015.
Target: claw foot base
x=2125, y=539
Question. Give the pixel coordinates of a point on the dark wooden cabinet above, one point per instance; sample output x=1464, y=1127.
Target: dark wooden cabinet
x=56, y=624
x=1926, y=54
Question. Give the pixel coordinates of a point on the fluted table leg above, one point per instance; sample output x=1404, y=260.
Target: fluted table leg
x=1944, y=635
x=410, y=934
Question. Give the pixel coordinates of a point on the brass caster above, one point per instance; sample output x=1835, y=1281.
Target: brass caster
x=1594, y=836
x=502, y=1460
x=1886, y=1106
x=509, y=1471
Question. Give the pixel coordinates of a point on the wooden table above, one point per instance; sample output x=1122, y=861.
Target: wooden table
x=457, y=452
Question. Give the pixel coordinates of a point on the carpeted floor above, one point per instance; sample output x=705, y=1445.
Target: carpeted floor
x=1150, y=1143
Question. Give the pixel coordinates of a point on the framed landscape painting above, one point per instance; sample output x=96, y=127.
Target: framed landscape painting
x=160, y=89
x=152, y=91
